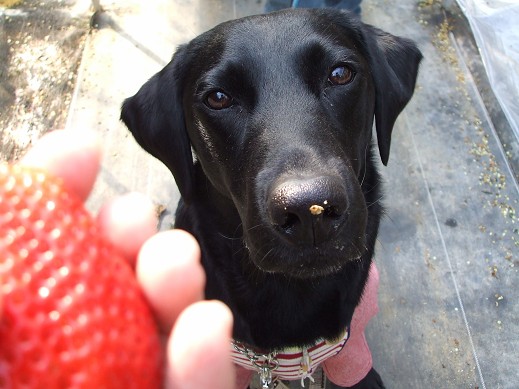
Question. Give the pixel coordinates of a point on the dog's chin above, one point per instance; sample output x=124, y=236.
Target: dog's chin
x=305, y=273
x=306, y=263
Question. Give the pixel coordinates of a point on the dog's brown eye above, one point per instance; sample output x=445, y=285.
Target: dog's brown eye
x=218, y=100
x=341, y=75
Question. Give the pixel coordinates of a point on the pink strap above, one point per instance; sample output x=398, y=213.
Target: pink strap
x=354, y=362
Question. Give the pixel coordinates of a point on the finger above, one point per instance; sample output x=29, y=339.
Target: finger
x=128, y=221
x=171, y=276
x=74, y=156
x=199, y=353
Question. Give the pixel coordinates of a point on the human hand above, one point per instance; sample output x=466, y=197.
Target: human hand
x=167, y=266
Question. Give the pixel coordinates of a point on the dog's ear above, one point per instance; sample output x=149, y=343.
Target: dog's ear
x=394, y=63
x=155, y=117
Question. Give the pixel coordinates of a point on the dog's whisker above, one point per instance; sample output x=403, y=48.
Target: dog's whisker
x=228, y=237
x=374, y=202
x=241, y=248
x=259, y=250
x=266, y=255
x=374, y=187
x=366, y=153
x=254, y=227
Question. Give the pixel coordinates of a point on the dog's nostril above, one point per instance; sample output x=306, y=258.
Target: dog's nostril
x=332, y=212
x=291, y=220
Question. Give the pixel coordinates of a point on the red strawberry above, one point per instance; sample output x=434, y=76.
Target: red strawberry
x=71, y=312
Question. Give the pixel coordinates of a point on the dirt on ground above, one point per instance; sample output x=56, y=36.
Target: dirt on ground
x=41, y=43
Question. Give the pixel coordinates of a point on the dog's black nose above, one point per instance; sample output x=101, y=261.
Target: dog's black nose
x=309, y=210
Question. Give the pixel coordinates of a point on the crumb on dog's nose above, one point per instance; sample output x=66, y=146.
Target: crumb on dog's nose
x=309, y=210
x=316, y=210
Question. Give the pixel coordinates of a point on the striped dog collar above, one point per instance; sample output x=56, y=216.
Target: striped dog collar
x=289, y=364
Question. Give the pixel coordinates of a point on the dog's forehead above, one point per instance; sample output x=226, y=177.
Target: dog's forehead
x=289, y=32
x=286, y=32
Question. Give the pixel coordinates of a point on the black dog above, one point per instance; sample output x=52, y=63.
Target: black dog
x=284, y=195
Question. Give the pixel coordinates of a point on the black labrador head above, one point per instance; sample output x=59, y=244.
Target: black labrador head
x=279, y=111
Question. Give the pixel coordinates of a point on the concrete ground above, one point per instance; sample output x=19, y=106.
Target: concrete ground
x=41, y=45
x=448, y=251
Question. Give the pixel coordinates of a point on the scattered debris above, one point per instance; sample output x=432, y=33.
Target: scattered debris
x=316, y=210
x=450, y=222
x=492, y=180
x=428, y=259
x=493, y=271
x=159, y=210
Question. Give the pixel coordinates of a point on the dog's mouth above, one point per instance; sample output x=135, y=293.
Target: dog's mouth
x=306, y=262
x=309, y=257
